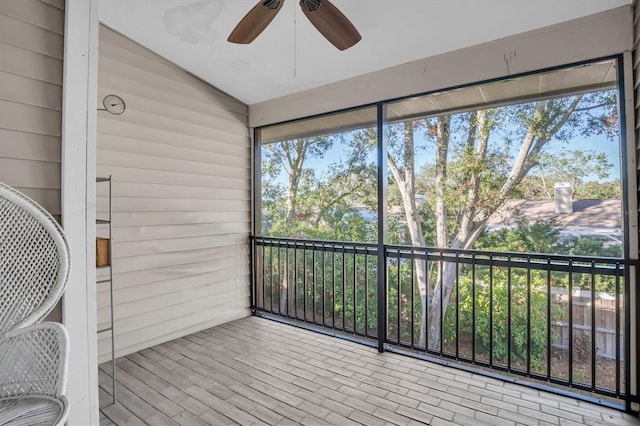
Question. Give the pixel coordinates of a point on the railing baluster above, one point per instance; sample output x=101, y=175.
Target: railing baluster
x=570, y=324
x=398, y=298
x=593, y=325
x=287, y=275
x=529, y=315
x=272, y=274
x=412, y=322
x=441, y=313
x=278, y=282
x=474, y=332
x=425, y=309
x=617, y=313
x=344, y=287
x=259, y=252
x=333, y=289
x=490, y=310
x=509, y=302
x=314, y=287
x=262, y=265
x=457, y=305
x=324, y=286
x=304, y=283
x=366, y=292
x=548, y=318
x=295, y=282
x=273, y=271
x=355, y=291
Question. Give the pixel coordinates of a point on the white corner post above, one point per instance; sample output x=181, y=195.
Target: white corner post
x=632, y=212
x=79, y=308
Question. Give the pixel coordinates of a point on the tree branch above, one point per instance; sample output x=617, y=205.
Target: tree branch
x=442, y=150
x=592, y=107
x=566, y=115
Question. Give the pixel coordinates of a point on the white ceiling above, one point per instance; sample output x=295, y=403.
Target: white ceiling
x=291, y=56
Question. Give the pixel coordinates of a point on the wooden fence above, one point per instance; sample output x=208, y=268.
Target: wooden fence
x=605, y=321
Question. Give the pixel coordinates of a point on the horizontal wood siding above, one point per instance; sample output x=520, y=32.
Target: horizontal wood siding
x=31, y=52
x=31, y=48
x=180, y=159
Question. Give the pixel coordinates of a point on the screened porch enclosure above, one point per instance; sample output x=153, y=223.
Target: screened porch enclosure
x=397, y=225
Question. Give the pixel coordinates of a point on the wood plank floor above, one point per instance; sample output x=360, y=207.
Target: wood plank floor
x=256, y=371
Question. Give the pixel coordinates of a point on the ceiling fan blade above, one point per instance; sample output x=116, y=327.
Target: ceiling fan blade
x=255, y=21
x=331, y=23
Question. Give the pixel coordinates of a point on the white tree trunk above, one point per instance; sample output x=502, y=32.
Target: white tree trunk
x=442, y=233
x=472, y=219
x=406, y=182
x=295, y=161
x=284, y=290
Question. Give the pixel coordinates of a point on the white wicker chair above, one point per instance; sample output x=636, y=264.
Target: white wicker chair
x=34, y=267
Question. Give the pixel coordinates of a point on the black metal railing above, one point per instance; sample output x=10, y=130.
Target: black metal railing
x=558, y=319
x=554, y=318
x=327, y=284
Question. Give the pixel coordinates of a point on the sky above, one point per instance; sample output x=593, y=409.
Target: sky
x=426, y=153
x=597, y=143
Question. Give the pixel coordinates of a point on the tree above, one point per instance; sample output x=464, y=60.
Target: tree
x=599, y=190
x=570, y=166
x=404, y=175
x=538, y=237
x=481, y=158
x=288, y=157
x=304, y=201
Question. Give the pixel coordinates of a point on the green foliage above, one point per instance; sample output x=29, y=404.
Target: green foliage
x=572, y=166
x=309, y=192
x=594, y=190
x=399, y=298
x=584, y=246
x=339, y=290
x=543, y=237
x=538, y=237
x=499, y=309
x=321, y=188
x=478, y=180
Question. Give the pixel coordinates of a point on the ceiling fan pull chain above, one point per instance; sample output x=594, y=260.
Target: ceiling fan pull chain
x=295, y=41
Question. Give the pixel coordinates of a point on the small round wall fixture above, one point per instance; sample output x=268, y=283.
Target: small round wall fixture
x=114, y=104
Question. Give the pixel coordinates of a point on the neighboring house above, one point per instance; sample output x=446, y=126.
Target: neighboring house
x=589, y=218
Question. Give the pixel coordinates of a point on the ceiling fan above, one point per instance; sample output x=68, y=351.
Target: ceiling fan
x=327, y=19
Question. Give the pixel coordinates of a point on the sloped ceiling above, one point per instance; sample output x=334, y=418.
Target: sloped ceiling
x=291, y=56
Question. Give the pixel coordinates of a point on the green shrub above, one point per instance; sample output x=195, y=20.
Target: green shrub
x=582, y=346
x=498, y=300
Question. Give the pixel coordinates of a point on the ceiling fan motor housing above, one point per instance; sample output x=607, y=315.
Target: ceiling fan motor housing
x=271, y=4
x=311, y=5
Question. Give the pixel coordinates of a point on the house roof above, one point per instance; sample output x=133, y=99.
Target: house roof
x=290, y=56
x=586, y=213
